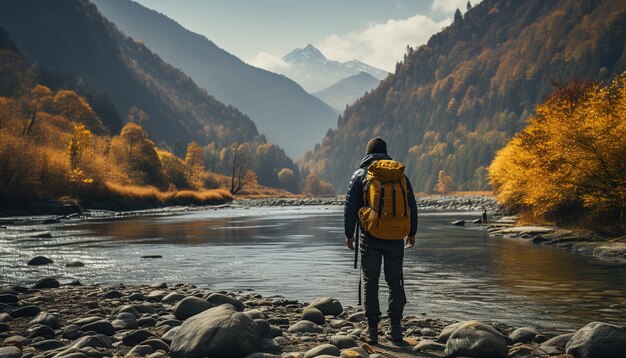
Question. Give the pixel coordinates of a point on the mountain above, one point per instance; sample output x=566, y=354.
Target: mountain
x=454, y=101
x=70, y=42
x=347, y=90
x=313, y=71
x=288, y=115
x=71, y=36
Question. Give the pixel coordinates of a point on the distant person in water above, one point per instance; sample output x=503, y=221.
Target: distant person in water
x=484, y=216
x=380, y=198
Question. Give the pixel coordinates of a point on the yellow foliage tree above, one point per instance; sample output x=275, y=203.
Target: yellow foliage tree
x=194, y=160
x=444, y=183
x=569, y=160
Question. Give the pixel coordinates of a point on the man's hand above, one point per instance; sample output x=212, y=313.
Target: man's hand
x=350, y=242
x=410, y=242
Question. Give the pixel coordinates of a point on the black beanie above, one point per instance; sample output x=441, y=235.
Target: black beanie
x=376, y=145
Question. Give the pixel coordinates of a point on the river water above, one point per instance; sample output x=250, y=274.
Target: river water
x=299, y=252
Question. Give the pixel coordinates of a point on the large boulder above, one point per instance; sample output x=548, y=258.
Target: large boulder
x=217, y=332
x=447, y=331
x=328, y=306
x=526, y=335
x=598, y=339
x=476, y=339
x=314, y=315
x=190, y=306
x=48, y=282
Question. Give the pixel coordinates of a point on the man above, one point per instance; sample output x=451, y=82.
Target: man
x=374, y=250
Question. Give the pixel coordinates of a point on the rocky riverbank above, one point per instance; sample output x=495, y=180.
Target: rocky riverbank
x=73, y=321
x=578, y=241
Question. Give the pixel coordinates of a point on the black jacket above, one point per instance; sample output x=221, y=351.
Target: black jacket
x=354, y=197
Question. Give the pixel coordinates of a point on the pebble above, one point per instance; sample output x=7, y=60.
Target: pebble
x=39, y=260
x=324, y=349
x=25, y=311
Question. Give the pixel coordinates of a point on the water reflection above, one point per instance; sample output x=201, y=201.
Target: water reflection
x=453, y=271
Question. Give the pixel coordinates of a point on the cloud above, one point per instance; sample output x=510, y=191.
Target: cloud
x=450, y=6
x=381, y=44
x=269, y=62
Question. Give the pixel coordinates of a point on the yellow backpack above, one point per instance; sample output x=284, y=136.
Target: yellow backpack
x=386, y=215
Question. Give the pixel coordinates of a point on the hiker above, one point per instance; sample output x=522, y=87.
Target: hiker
x=387, y=214
x=484, y=216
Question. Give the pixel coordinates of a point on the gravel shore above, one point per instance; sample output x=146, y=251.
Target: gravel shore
x=181, y=320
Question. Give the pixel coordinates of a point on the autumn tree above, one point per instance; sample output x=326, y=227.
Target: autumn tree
x=314, y=185
x=80, y=142
x=142, y=158
x=241, y=174
x=444, y=183
x=75, y=108
x=286, y=177
x=194, y=160
x=569, y=160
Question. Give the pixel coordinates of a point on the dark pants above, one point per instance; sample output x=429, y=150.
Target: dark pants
x=373, y=253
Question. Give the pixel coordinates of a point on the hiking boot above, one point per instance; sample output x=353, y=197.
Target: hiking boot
x=371, y=335
x=394, y=333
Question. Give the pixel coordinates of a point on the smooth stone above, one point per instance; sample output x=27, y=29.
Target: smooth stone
x=598, y=339
x=427, y=332
x=261, y=355
x=314, y=315
x=10, y=352
x=157, y=344
x=87, y=320
x=48, y=282
x=75, y=264
x=114, y=294
x=458, y=223
x=263, y=328
x=39, y=260
x=72, y=355
x=129, y=309
x=94, y=341
x=324, y=349
x=16, y=340
x=159, y=285
x=173, y=297
x=218, y=332
x=102, y=326
x=156, y=295
x=71, y=332
x=137, y=336
x=40, y=330
x=357, y=317
x=328, y=306
x=47, y=319
x=170, y=322
x=219, y=299
x=305, y=327
x=343, y=341
x=339, y=323
x=255, y=314
x=137, y=296
x=146, y=322
x=140, y=351
x=356, y=352
x=4, y=327
x=25, y=311
x=526, y=335
x=158, y=354
x=559, y=341
x=476, y=339
x=48, y=344
x=151, y=257
x=190, y=306
x=8, y=298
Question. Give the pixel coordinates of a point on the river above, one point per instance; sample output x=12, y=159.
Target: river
x=299, y=252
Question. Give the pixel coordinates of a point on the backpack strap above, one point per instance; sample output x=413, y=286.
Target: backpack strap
x=393, y=197
x=382, y=199
x=404, y=198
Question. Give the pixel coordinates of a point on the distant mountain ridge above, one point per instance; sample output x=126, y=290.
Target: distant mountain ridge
x=453, y=102
x=314, y=72
x=347, y=90
x=281, y=109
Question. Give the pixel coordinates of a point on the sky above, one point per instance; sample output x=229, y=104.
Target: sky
x=261, y=32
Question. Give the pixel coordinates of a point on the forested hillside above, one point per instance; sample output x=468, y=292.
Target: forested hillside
x=454, y=101
x=70, y=39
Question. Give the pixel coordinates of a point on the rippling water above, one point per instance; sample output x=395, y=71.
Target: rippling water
x=455, y=272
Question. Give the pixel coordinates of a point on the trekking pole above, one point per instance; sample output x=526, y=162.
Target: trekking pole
x=356, y=259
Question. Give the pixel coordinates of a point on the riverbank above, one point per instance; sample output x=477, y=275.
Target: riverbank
x=578, y=241
x=161, y=320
